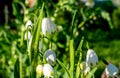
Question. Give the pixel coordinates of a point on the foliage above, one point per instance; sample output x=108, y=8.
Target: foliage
x=79, y=28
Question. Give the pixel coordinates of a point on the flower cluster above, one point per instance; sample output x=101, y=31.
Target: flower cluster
x=49, y=55
x=92, y=60
x=47, y=69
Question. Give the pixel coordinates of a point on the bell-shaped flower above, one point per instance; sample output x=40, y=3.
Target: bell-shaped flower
x=48, y=26
x=91, y=57
x=48, y=71
x=50, y=56
x=28, y=27
x=39, y=70
x=111, y=70
x=29, y=24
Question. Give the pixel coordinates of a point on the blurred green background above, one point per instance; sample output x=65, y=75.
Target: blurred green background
x=98, y=21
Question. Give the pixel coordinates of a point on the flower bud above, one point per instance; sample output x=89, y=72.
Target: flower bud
x=50, y=56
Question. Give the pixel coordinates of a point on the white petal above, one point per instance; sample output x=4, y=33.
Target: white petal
x=27, y=35
x=44, y=26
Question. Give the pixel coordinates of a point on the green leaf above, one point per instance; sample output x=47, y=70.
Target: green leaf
x=63, y=66
x=16, y=69
x=71, y=57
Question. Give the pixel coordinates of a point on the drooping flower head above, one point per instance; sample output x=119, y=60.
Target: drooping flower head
x=48, y=71
x=29, y=24
x=111, y=70
x=91, y=57
x=48, y=26
x=50, y=56
x=28, y=27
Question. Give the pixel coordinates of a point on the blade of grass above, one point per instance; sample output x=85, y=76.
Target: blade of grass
x=80, y=57
x=71, y=58
x=16, y=69
x=63, y=66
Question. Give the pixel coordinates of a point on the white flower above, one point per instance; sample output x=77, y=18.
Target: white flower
x=27, y=35
x=91, y=57
x=50, y=56
x=28, y=27
x=85, y=68
x=39, y=70
x=111, y=70
x=48, y=26
x=48, y=71
x=29, y=24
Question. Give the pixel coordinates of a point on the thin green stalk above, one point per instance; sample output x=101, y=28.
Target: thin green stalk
x=22, y=35
x=73, y=19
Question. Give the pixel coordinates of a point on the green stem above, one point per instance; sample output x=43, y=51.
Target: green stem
x=20, y=60
x=73, y=19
